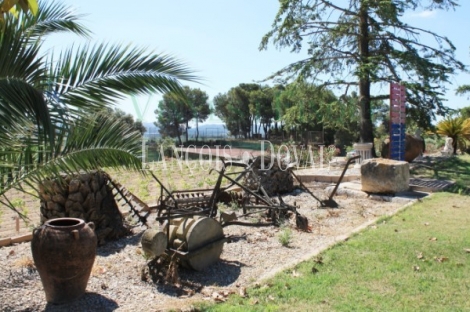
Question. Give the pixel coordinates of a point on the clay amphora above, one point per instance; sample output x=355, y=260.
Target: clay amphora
x=64, y=250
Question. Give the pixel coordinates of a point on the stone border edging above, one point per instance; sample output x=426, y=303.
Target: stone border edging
x=377, y=197
x=327, y=178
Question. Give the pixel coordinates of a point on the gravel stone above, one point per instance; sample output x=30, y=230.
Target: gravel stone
x=250, y=255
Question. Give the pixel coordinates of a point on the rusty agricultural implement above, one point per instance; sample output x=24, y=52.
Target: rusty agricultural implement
x=190, y=223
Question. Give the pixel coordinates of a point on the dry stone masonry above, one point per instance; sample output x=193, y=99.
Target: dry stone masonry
x=273, y=176
x=86, y=196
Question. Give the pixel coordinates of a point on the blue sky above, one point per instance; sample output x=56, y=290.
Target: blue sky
x=219, y=38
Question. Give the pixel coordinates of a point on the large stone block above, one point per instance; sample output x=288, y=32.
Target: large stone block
x=380, y=175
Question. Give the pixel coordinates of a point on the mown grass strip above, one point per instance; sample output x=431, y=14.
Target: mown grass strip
x=417, y=260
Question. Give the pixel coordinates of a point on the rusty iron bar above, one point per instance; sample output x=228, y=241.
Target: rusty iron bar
x=195, y=190
x=327, y=202
x=257, y=224
x=304, y=187
x=163, y=188
x=135, y=212
x=216, y=192
x=245, y=189
x=172, y=209
x=175, y=215
x=350, y=160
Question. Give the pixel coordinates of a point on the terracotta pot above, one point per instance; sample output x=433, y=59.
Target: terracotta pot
x=64, y=250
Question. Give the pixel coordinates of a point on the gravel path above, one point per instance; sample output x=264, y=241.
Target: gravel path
x=250, y=255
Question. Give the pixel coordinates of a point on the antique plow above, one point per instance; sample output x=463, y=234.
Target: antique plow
x=191, y=227
x=329, y=202
x=188, y=225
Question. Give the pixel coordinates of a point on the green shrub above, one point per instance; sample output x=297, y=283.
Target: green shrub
x=285, y=236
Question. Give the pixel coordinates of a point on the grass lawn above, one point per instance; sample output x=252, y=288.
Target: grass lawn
x=418, y=260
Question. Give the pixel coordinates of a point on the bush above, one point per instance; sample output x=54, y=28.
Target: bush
x=285, y=236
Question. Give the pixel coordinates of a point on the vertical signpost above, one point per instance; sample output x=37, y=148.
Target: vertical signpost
x=397, y=121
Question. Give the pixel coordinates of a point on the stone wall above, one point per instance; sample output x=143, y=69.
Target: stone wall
x=85, y=196
x=275, y=179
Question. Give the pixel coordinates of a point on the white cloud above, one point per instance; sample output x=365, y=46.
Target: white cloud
x=424, y=14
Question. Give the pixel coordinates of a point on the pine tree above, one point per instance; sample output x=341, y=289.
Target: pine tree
x=357, y=43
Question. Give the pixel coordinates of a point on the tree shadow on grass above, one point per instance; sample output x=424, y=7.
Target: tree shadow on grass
x=457, y=189
x=445, y=168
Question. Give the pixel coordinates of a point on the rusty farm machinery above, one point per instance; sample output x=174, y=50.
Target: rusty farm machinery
x=190, y=224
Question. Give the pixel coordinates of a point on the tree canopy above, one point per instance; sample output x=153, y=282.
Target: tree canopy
x=199, y=102
x=176, y=110
x=126, y=119
x=357, y=43
x=234, y=108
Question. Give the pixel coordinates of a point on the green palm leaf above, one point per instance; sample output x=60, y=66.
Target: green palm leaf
x=20, y=57
x=88, y=144
x=52, y=17
x=90, y=76
x=457, y=128
x=45, y=104
x=20, y=104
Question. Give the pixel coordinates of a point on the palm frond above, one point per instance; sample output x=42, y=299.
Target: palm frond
x=45, y=128
x=90, y=76
x=88, y=144
x=457, y=128
x=452, y=126
x=466, y=129
x=20, y=57
x=20, y=104
x=52, y=17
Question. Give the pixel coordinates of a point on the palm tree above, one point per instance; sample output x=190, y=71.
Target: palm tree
x=46, y=100
x=457, y=128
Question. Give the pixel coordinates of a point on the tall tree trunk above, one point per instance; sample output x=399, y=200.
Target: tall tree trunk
x=254, y=125
x=177, y=126
x=179, y=138
x=197, y=129
x=186, y=132
x=250, y=127
x=366, y=131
